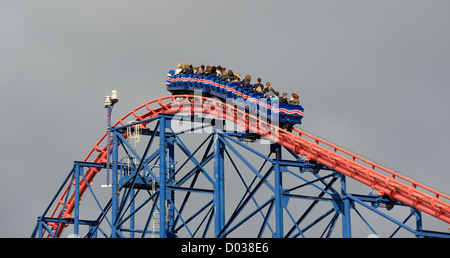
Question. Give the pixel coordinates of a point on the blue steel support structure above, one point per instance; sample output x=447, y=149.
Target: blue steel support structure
x=77, y=198
x=115, y=184
x=223, y=185
x=219, y=183
x=278, y=194
x=162, y=176
x=346, y=218
x=170, y=183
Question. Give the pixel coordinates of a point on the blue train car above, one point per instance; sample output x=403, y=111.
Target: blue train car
x=243, y=97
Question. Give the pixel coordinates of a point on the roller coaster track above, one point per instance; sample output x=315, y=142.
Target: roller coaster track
x=389, y=183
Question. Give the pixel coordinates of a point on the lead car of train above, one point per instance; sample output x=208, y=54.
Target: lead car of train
x=286, y=115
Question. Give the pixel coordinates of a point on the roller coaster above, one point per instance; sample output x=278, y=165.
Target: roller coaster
x=197, y=165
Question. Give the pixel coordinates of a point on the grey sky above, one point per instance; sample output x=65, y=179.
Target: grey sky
x=373, y=76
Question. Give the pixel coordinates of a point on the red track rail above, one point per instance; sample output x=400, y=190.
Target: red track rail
x=387, y=182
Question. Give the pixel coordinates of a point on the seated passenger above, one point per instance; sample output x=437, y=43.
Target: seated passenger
x=207, y=70
x=275, y=97
x=219, y=71
x=199, y=70
x=179, y=69
x=246, y=82
x=187, y=69
x=258, y=86
x=229, y=77
x=267, y=88
x=213, y=71
x=284, y=98
x=269, y=93
x=247, y=79
x=222, y=70
x=294, y=100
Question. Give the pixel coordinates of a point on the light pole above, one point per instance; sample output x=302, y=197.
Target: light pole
x=109, y=104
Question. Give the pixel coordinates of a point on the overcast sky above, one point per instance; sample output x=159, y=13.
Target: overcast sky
x=373, y=76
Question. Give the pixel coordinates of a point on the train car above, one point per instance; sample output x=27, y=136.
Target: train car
x=286, y=115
